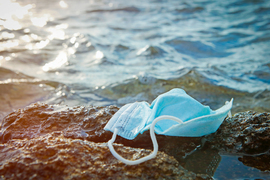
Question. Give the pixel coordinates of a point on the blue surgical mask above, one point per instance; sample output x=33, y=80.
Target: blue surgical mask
x=174, y=113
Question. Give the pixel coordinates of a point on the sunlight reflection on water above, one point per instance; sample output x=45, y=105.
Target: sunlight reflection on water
x=59, y=61
x=10, y=12
x=108, y=44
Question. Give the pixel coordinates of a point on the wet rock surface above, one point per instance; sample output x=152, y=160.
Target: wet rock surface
x=55, y=157
x=260, y=162
x=51, y=141
x=83, y=123
x=39, y=119
x=246, y=135
x=70, y=143
x=246, y=132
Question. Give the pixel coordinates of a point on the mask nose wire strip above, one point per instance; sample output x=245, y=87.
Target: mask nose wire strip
x=229, y=113
x=153, y=138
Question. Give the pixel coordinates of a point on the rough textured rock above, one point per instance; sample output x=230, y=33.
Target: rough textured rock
x=178, y=147
x=51, y=141
x=55, y=157
x=246, y=132
x=83, y=123
x=41, y=140
x=261, y=162
x=39, y=119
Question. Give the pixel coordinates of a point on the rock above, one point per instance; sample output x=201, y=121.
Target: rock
x=260, y=162
x=53, y=156
x=178, y=147
x=39, y=119
x=246, y=132
x=57, y=142
x=203, y=161
x=85, y=123
x=41, y=140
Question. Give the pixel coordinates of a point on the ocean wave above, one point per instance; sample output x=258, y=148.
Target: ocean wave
x=103, y=53
x=193, y=82
x=196, y=49
x=124, y=9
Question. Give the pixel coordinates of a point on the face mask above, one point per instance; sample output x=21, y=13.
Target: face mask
x=173, y=114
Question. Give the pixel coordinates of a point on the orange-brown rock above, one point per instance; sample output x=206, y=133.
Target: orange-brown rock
x=39, y=119
x=55, y=157
x=82, y=123
x=57, y=142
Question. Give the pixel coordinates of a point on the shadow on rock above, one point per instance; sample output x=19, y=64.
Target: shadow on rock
x=246, y=132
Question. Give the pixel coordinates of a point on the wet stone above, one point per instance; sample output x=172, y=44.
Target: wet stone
x=39, y=119
x=69, y=143
x=85, y=123
x=261, y=162
x=246, y=132
x=53, y=156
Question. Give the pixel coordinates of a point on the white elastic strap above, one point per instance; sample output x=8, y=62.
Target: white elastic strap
x=153, y=138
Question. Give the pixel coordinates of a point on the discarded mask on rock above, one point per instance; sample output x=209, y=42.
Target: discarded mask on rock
x=174, y=113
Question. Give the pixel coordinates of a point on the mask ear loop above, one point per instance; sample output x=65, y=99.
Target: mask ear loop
x=153, y=138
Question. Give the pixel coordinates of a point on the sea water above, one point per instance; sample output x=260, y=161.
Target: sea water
x=89, y=52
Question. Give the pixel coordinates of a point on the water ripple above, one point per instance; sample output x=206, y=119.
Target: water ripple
x=136, y=50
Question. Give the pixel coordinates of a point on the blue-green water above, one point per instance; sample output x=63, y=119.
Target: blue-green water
x=225, y=167
x=114, y=52
x=98, y=52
